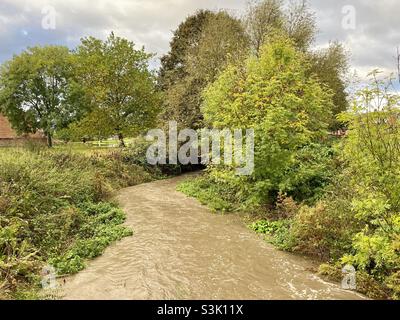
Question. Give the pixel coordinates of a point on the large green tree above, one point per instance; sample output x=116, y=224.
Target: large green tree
x=222, y=40
x=186, y=36
x=288, y=110
x=265, y=18
x=117, y=79
x=39, y=90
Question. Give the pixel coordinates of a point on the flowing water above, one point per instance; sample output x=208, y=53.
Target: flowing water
x=180, y=250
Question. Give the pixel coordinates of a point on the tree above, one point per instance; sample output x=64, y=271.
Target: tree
x=118, y=82
x=39, y=90
x=398, y=63
x=186, y=36
x=95, y=125
x=287, y=109
x=222, y=39
x=261, y=21
x=300, y=24
x=264, y=18
x=331, y=66
x=371, y=152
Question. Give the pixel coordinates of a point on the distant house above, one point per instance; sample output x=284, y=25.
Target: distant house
x=8, y=136
x=6, y=131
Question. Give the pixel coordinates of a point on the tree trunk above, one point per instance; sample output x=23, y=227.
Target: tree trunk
x=121, y=140
x=49, y=140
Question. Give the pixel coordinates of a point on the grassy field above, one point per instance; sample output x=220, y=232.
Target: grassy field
x=98, y=146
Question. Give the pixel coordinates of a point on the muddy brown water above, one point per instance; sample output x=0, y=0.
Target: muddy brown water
x=181, y=250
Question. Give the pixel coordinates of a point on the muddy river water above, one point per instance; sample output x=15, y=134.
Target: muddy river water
x=181, y=250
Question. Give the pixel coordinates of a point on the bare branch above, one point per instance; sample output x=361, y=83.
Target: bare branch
x=398, y=62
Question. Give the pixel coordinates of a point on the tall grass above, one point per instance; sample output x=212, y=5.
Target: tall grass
x=55, y=208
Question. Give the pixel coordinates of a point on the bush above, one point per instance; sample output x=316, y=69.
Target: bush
x=277, y=232
x=365, y=283
x=213, y=191
x=326, y=230
x=137, y=154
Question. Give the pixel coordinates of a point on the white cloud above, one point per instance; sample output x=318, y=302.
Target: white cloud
x=151, y=22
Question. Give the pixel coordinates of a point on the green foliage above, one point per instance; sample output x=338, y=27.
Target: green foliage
x=96, y=125
x=331, y=66
x=373, y=156
x=218, y=196
x=326, y=229
x=101, y=226
x=223, y=40
x=288, y=111
x=202, y=47
x=137, y=155
x=365, y=283
x=278, y=232
x=349, y=190
x=311, y=172
x=266, y=18
x=122, y=91
x=358, y=222
x=188, y=34
x=54, y=209
x=39, y=90
x=206, y=42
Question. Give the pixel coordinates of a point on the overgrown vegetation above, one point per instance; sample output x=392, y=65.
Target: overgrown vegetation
x=55, y=209
x=315, y=190
x=349, y=216
x=328, y=197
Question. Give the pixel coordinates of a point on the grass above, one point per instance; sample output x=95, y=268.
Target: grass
x=56, y=208
x=209, y=193
x=91, y=146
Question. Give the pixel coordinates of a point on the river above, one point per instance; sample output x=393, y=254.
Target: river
x=181, y=250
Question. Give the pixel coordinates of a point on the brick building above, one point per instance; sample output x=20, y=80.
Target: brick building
x=6, y=131
x=8, y=136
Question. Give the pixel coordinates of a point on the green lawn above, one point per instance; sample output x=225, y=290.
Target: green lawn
x=90, y=146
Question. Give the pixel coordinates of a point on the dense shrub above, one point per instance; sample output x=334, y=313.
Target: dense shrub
x=216, y=193
x=137, y=154
x=277, y=232
x=326, y=229
x=55, y=208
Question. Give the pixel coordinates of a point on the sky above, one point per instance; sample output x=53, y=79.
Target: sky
x=369, y=29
